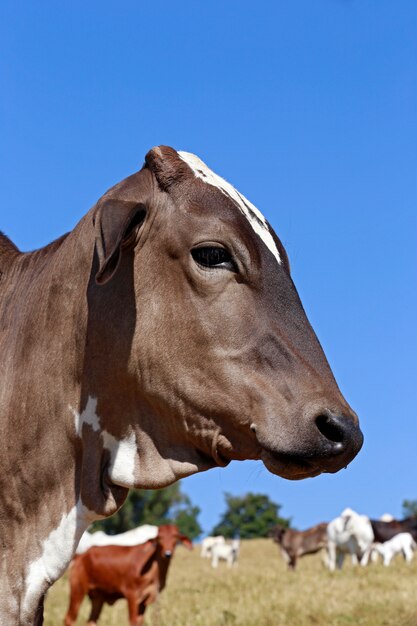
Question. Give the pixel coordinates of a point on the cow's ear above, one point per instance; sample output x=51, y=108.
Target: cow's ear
x=186, y=542
x=116, y=224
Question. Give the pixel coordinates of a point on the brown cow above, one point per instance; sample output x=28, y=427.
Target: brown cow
x=384, y=531
x=161, y=337
x=296, y=543
x=137, y=573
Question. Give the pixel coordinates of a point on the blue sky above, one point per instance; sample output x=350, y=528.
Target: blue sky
x=308, y=108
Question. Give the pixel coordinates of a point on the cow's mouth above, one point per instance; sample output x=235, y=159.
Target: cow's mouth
x=285, y=464
x=335, y=443
x=291, y=467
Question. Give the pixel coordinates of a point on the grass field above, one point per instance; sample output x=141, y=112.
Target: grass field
x=261, y=592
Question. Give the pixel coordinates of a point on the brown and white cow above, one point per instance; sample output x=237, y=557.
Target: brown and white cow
x=161, y=337
x=297, y=543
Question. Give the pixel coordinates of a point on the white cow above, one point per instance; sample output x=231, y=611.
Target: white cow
x=386, y=517
x=401, y=543
x=352, y=534
x=208, y=543
x=228, y=552
x=133, y=537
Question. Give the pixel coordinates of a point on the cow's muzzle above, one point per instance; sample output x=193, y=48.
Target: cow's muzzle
x=341, y=441
x=334, y=442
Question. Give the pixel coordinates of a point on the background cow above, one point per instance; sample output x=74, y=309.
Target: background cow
x=137, y=573
x=386, y=517
x=132, y=537
x=161, y=337
x=208, y=543
x=350, y=533
x=403, y=543
x=295, y=543
x=384, y=531
x=228, y=552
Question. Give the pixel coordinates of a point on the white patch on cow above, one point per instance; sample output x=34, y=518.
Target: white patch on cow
x=122, y=451
x=252, y=214
x=88, y=416
x=123, y=458
x=56, y=553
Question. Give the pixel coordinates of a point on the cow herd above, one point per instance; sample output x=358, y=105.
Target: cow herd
x=351, y=534
x=362, y=538
x=134, y=565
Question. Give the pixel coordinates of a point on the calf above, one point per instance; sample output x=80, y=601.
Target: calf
x=137, y=573
x=225, y=552
x=403, y=543
x=297, y=543
x=208, y=543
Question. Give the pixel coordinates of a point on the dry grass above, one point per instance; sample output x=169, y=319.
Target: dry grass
x=260, y=592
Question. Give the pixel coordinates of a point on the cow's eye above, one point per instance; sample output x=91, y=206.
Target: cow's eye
x=213, y=256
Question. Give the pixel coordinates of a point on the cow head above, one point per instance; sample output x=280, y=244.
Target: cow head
x=277, y=533
x=169, y=537
x=199, y=350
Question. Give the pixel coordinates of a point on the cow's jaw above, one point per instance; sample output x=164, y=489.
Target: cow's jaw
x=286, y=466
x=134, y=461
x=289, y=467
x=121, y=467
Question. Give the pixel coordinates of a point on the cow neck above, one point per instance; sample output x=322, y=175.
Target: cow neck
x=42, y=291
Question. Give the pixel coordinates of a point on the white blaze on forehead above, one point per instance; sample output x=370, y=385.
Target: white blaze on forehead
x=122, y=451
x=252, y=214
x=57, y=550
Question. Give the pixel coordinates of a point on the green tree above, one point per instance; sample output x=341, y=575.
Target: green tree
x=158, y=506
x=249, y=516
x=187, y=522
x=409, y=508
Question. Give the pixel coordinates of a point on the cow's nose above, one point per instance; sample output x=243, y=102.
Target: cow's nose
x=342, y=436
x=168, y=553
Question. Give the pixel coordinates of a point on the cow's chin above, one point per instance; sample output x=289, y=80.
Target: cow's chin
x=288, y=466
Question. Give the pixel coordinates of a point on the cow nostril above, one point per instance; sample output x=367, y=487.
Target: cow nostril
x=331, y=428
